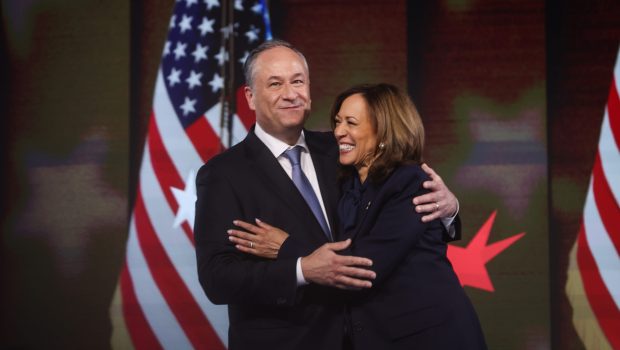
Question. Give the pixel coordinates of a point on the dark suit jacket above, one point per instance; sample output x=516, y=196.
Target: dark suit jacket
x=266, y=308
x=416, y=302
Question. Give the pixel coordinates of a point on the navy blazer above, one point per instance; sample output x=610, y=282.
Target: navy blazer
x=416, y=301
x=266, y=308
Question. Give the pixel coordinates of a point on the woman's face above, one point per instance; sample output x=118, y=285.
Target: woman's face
x=354, y=132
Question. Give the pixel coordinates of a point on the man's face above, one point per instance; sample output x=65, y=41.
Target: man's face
x=281, y=93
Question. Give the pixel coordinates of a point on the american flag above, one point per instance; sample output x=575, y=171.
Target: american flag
x=593, y=286
x=198, y=110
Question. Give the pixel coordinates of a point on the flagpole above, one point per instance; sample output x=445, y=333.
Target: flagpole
x=229, y=81
x=223, y=100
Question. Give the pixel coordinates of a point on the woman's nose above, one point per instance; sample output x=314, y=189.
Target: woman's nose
x=339, y=131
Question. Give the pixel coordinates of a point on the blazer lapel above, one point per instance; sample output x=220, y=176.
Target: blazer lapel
x=366, y=209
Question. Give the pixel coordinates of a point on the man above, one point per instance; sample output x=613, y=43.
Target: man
x=289, y=302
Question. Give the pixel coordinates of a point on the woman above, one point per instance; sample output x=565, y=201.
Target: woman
x=416, y=301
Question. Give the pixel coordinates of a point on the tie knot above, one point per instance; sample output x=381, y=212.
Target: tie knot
x=293, y=155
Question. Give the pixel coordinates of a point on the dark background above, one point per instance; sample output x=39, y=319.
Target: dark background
x=512, y=95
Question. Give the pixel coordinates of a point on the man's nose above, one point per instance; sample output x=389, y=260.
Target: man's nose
x=288, y=92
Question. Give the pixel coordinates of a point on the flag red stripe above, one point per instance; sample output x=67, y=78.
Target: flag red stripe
x=142, y=335
x=163, y=166
x=175, y=292
x=165, y=171
x=244, y=112
x=205, y=140
x=600, y=300
x=613, y=110
x=606, y=203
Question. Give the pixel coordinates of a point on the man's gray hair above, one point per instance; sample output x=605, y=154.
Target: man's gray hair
x=248, y=66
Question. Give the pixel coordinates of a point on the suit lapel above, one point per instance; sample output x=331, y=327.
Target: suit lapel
x=325, y=159
x=270, y=173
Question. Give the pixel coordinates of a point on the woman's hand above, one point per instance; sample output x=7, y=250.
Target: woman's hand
x=261, y=239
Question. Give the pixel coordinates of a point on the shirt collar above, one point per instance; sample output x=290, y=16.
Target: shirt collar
x=276, y=146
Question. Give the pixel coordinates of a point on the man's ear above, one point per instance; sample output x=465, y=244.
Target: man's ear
x=249, y=97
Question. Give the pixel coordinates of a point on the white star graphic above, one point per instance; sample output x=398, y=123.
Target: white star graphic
x=189, y=3
x=172, y=20
x=206, y=26
x=186, y=199
x=245, y=57
x=212, y=3
x=167, y=48
x=188, y=106
x=238, y=5
x=174, y=77
x=257, y=8
x=179, y=51
x=252, y=34
x=194, y=79
x=222, y=56
x=186, y=23
x=217, y=83
x=200, y=53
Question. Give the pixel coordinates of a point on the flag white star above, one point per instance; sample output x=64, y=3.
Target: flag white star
x=200, y=53
x=189, y=3
x=239, y=5
x=194, y=79
x=172, y=20
x=217, y=83
x=257, y=8
x=222, y=56
x=174, y=77
x=167, y=48
x=252, y=34
x=186, y=23
x=179, y=51
x=245, y=57
x=186, y=199
x=188, y=106
x=206, y=26
x=212, y=3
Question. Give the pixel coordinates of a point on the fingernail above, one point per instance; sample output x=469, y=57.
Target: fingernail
x=229, y=232
x=234, y=222
x=257, y=220
x=230, y=238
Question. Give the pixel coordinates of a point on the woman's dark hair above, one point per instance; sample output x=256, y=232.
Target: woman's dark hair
x=396, y=122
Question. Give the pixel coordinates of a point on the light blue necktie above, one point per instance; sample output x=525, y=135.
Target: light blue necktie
x=303, y=185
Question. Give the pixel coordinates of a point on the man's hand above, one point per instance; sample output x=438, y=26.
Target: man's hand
x=326, y=267
x=440, y=202
x=261, y=239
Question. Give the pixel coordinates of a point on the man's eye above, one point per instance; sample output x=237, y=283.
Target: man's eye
x=298, y=82
x=275, y=83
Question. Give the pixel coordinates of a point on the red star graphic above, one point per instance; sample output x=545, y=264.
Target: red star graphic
x=469, y=263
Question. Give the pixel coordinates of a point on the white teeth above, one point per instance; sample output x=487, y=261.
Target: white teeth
x=345, y=147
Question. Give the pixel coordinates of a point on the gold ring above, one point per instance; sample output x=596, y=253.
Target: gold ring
x=251, y=244
x=436, y=206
